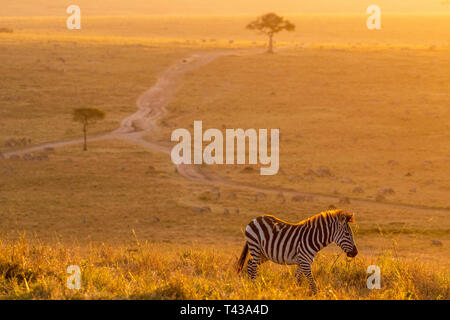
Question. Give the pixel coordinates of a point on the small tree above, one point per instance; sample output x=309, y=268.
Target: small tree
x=270, y=24
x=87, y=116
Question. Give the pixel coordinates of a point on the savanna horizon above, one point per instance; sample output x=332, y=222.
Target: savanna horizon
x=333, y=29
x=362, y=119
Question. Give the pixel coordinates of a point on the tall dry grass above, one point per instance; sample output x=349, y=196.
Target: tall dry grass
x=32, y=270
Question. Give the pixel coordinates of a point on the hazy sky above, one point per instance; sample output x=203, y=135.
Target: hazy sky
x=145, y=7
x=297, y=6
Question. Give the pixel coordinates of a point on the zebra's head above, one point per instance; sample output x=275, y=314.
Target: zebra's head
x=343, y=236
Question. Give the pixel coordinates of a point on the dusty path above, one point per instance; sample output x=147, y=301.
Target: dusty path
x=152, y=108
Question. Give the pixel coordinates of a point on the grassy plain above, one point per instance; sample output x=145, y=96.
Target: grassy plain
x=372, y=108
x=146, y=271
x=377, y=119
x=45, y=77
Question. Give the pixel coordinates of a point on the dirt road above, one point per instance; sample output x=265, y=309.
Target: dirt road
x=152, y=108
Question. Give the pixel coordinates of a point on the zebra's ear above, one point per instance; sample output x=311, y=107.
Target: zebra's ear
x=349, y=218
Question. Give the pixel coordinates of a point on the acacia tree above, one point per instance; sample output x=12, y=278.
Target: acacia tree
x=270, y=24
x=87, y=116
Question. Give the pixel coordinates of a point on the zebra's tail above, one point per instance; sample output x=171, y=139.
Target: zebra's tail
x=243, y=257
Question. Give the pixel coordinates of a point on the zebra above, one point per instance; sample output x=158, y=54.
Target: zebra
x=270, y=238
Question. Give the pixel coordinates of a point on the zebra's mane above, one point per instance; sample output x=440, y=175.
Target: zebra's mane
x=325, y=215
x=330, y=214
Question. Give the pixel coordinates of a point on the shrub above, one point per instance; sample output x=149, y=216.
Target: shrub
x=6, y=30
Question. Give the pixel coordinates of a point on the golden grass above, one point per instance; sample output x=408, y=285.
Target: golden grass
x=100, y=195
x=30, y=270
x=375, y=119
x=44, y=78
x=76, y=201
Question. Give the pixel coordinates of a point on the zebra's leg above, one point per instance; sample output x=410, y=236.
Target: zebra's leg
x=252, y=269
x=298, y=275
x=304, y=267
x=255, y=260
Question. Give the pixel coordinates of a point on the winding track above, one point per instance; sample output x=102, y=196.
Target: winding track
x=152, y=107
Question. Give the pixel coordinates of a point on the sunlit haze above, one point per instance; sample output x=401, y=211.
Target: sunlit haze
x=216, y=7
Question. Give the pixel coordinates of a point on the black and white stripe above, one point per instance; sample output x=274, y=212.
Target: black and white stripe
x=269, y=238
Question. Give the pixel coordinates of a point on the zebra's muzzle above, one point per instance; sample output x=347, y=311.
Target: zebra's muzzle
x=352, y=253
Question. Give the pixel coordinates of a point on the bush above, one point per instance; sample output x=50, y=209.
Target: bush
x=6, y=30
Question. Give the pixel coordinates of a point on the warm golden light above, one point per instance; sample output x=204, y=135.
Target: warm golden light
x=141, y=143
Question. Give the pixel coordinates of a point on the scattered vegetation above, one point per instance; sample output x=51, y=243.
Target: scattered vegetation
x=270, y=24
x=87, y=116
x=122, y=192
x=6, y=30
